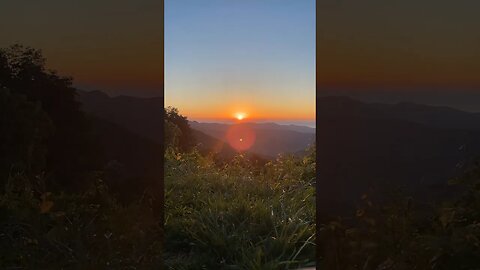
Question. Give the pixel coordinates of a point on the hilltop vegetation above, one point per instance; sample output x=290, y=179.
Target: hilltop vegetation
x=238, y=216
x=63, y=204
x=363, y=145
x=401, y=233
x=81, y=192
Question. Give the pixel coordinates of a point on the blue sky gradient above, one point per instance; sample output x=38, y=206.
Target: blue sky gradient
x=256, y=56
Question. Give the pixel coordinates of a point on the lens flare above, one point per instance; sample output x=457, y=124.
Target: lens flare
x=241, y=137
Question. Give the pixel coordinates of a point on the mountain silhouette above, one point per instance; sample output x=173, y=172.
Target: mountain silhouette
x=142, y=116
x=365, y=147
x=138, y=115
x=362, y=147
x=271, y=139
x=438, y=116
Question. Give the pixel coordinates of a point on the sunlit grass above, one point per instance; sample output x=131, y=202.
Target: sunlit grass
x=238, y=216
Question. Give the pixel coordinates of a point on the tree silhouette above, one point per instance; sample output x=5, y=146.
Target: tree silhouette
x=186, y=140
x=25, y=129
x=23, y=71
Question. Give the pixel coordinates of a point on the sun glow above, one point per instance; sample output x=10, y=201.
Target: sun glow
x=240, y=116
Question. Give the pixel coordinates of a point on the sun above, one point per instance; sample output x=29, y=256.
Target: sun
x=240, y=115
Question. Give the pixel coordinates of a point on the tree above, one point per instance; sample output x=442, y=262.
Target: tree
x=172, y=134
x=23, y=71
x=186, y=139
x=25, y=128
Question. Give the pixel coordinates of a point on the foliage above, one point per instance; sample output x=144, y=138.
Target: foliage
x=25, y=128
x=70, y=150
x=172, y=134
x=56, y=210
x=237, y=216
x=90, y=230
x=177, y=130
x=228, y=215
x=401, y=234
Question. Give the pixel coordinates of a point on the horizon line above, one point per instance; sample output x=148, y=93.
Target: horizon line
x=286, y=122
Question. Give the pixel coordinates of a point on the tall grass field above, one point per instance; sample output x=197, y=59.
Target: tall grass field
x=239, y=215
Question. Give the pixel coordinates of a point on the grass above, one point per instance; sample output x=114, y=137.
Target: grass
x=238, y=216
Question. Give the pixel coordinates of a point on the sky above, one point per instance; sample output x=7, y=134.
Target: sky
x=258, y=56
x=109, y=45
x=422, y=51
x=255, y=57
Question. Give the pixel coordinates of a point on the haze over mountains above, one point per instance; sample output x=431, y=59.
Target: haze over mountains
x=365, y=147
x=438, y=116
x=271, y=139
x=362, y=146
x=142, y=116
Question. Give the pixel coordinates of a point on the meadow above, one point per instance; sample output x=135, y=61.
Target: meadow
x=239, y=214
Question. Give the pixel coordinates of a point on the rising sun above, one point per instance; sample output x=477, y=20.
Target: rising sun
x=240, y=115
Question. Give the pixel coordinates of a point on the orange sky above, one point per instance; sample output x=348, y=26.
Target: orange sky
x=109, y=45
x=403, y=44
x=255, y=57
x=227, y=108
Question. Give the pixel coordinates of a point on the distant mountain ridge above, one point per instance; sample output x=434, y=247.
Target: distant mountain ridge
x=373, y=146
x=143, y=115
x=276, y=126
x=361, y=146
x=139, y=115
x=271, y=139
x=438, y=116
